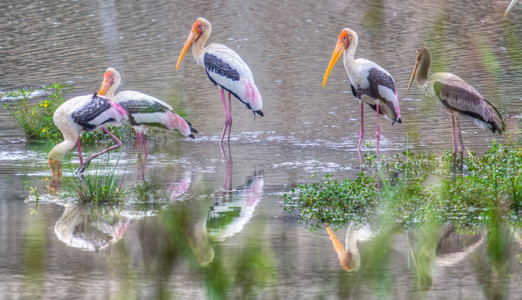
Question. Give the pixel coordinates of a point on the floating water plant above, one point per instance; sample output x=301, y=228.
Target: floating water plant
x=411, y=188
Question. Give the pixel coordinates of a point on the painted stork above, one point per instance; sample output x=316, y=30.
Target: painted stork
x=83, y=113
x=510, y=6
x=457, y=97
x=224, y=68
x=143, y=110
x=369, y=82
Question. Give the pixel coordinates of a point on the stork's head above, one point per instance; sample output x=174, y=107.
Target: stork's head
x=199, y=28
x=56, y=169
x=424, y=60
x=111, y=81
x=346, y=38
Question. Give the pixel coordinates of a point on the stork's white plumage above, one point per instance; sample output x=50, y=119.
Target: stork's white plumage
x=370, y=83
x=224, y=68
x=83, y=113
x=143, y=110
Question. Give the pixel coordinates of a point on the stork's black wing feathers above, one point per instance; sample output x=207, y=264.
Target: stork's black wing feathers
x=90, y=111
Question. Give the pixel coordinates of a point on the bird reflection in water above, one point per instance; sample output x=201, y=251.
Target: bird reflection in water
x=176, y=190
x=228, y=217
x=142, y=166
x=349, y=255
x=444, y=247
x=91, y=228
x=453, y=246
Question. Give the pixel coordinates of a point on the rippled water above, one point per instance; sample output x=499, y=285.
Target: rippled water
x=307, y=129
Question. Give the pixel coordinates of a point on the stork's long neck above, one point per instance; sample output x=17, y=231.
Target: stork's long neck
x=199, y=46
x=60, y=149
x=349, y=53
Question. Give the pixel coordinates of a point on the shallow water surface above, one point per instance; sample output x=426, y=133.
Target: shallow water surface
x=201, y=219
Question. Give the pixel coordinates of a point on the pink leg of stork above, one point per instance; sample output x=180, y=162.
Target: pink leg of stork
x=119, y=143
x=454, y=151
x=378, y=135
x=228, y=119
x=230, y=116
x=79, y=150
x=461, y=146
x=361, y=134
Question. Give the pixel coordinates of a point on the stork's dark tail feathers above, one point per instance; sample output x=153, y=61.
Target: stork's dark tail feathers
x=495, y=122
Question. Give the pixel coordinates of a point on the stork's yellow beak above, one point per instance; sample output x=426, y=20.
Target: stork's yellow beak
x=104, y=87
x=413, y=75
x=339, y=48
x=191, y=39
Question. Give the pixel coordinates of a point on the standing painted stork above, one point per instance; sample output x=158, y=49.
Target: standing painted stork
x=457, y=97
x=224, y=68
x=370, y=83
x=143, y=110
x=83, y=113
x=510, y=6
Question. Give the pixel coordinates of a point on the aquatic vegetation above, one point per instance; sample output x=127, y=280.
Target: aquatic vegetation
x=36, y=119
x=418, y=195
x=149, y=192
x=411, y=188
x=103, y=185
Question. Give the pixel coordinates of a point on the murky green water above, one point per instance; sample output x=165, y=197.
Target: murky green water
x=218, y=225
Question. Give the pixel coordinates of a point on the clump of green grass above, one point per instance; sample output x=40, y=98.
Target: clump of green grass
x=412, y=188
x=36, y=119
x=104, y=185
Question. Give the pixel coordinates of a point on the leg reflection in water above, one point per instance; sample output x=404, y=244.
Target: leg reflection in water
x=227, y=156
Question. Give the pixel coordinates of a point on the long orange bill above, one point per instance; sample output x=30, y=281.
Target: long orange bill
x=413, y=75
x=56, y=168
x=339, y=48
x=191, y=39
x=104, y=87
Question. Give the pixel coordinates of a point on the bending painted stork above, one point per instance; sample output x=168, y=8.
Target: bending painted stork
x=224, y=68
x=457, y=97
x=510, y=6
x=370, y=83
x=83, y=113
x=143, y=110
